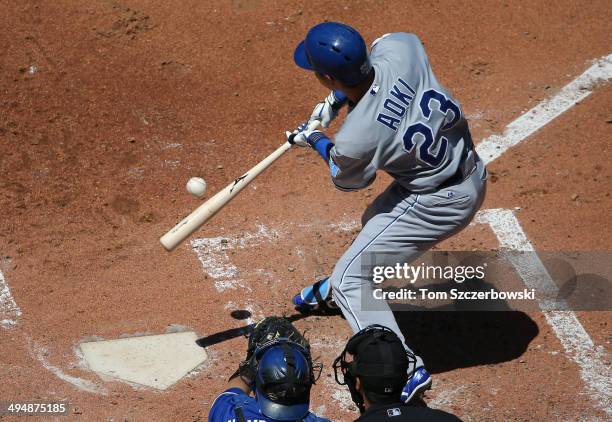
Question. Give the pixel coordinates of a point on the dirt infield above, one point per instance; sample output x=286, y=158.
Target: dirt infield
x=108, y=107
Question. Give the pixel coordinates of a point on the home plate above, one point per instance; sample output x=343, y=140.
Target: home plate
x=153, y=361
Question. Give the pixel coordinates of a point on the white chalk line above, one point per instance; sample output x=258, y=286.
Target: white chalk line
x=346, y=225
x=492, y=147
x=575, y=340
x=572, y=335
x=447, y=397
x=212, y=252
x=40, y=353
x=9, y=311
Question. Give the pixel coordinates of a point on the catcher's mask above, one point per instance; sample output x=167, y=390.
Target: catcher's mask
x=283, y=380
x=381, y=362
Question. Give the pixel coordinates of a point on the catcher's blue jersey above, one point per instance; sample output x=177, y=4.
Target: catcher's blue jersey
x=224, y=409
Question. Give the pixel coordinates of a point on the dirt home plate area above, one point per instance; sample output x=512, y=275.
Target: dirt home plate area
x=109, y=107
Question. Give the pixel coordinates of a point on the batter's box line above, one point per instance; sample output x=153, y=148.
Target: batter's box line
x=528, y=123
x=576, y=342
x=212, y=252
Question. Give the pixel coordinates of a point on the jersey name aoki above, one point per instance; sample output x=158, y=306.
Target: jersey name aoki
x=396, y=103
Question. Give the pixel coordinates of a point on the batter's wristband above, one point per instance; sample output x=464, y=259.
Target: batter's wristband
x=339, y=99
x=315, y=137
x=323, y=146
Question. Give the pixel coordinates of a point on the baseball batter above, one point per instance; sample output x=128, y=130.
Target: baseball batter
x=401, y=120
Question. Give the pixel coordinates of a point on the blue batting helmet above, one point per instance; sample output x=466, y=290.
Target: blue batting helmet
x=283, y=381
x=334, y=49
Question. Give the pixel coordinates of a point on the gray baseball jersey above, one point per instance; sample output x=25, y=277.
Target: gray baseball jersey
x=407, y=124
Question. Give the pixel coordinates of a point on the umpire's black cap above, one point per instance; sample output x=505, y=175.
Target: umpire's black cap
x=380, y=361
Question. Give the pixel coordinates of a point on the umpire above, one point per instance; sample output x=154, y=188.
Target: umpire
x=374, y=366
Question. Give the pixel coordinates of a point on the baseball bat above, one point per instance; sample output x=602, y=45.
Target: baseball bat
x=204, y=212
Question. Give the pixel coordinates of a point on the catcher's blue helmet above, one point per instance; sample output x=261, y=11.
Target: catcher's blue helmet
x=283, y=381
x=334, y=49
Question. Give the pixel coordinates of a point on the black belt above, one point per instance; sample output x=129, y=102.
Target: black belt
x=455, y=179
x=458, y=177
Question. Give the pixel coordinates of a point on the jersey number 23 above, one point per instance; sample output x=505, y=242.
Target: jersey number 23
x=422, y=136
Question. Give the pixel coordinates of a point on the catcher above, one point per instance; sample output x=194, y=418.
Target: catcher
x=278, y=369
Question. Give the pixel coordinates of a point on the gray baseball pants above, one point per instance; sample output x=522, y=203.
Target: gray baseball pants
x=403, y=225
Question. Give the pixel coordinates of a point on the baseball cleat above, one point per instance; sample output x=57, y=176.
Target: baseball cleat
x=315, y=297
x=416, y=385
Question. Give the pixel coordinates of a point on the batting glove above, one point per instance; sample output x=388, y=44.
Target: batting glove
x=327, y=110
x=306, y=134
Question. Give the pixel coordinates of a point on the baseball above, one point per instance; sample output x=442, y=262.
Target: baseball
x=196, y=186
